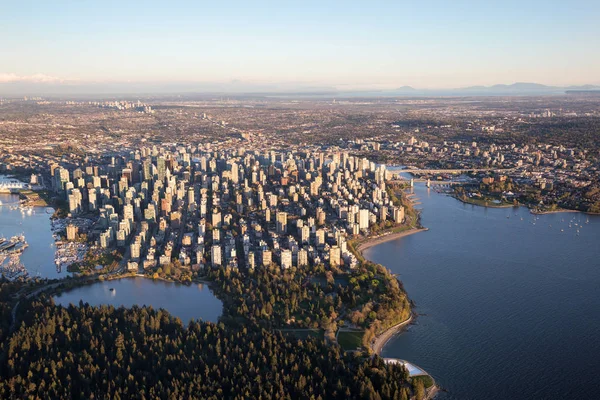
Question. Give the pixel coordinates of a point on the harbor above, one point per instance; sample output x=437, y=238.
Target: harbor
x=14, y=245
x=36, y=252
x=11, y=249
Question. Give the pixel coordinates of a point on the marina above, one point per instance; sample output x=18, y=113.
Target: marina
x=11, y=249
x=36, y=253
x=14, y=245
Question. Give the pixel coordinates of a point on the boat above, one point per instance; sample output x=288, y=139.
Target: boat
x=15, y=244
x=112, y=289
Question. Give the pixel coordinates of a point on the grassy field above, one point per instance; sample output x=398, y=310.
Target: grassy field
x=350, y=340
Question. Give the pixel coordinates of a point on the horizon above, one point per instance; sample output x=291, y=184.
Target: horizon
x=237, y=88
x=339, y=46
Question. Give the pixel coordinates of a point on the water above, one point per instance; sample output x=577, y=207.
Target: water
x=38, y=258
x=195, y=301
x=512, y=309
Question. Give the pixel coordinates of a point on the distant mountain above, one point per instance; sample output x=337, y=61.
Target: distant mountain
x=236, y=87
x=582, y=87
x=515, y=89
x=519, y=88
x=405, y=89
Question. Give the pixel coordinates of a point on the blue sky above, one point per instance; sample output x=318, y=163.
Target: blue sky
x=347, y=44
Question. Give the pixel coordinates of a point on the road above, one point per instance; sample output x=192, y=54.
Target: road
x=28, y=296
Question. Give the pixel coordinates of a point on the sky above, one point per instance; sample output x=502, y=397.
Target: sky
x=352, y=44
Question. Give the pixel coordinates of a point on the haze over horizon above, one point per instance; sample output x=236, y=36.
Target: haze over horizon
x=66, y=46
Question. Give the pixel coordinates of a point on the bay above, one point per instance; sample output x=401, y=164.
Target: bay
x=510, y=302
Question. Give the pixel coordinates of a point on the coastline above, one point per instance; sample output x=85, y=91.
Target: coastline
x=484, y=205
x=562, y=210
x=380, y=340
x=531, y=210
x=374, y=241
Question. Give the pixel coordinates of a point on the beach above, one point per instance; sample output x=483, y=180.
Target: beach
x=374, y=241
x=381, y=339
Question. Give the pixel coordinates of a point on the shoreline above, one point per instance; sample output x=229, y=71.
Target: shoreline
x=531, y=210
x=379, y=342
x=377, y=240
x=485, y=206
x=562, y=210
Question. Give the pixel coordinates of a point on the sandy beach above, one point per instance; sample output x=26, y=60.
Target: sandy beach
x=374, y=241
x=381, y=339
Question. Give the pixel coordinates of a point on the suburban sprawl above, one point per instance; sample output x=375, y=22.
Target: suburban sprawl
x=270, y=202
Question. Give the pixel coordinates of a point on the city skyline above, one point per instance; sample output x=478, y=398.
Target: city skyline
x=340, y=46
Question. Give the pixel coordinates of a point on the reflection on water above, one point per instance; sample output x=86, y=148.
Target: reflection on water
x=183, y=301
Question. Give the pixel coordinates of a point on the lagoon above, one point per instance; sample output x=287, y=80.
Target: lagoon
x=187, y=302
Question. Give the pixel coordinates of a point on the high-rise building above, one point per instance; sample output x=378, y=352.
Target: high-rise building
x=398, y=214
x=281, y=222
x=128, y=212
x=161, y=166
x=363, y=219
x=61, y=177
x=216, y=219
x=71, y=232
x=335, y=256
x=75, y=199
x=382, y=213
x=320, y=237
x=304, y=234
x=234, y=173
x=320, y=216
x=92, y=200
x=302, y=257
x=135, y=249
x=215, y=255
x=203, y=207
x=286, y=259
x=267, y=258
x=251, y=263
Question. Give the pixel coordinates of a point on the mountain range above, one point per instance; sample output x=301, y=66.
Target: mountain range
x=518, y=88
x=79, y=89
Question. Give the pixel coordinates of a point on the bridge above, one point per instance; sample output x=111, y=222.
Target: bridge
x=442, y=183
x=451, y=171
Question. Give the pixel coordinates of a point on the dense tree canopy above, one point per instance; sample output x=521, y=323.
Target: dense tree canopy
x=89, y=352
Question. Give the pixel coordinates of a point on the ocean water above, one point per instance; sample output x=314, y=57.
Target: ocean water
x=509, y=302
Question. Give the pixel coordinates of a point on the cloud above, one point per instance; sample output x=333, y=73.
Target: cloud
x=35, y=78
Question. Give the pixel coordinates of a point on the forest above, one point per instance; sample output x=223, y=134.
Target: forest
x=368, y=297
x=142, y=353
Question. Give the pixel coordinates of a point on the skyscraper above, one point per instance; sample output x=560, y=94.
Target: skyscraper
x=281, y=222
